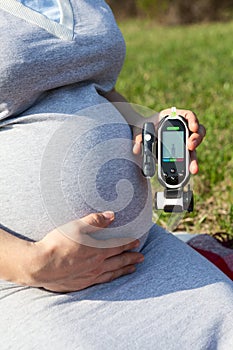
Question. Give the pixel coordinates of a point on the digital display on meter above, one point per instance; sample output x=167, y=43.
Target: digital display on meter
x=173, y=152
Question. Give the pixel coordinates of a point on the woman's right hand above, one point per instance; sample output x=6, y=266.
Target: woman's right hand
x=62, y=264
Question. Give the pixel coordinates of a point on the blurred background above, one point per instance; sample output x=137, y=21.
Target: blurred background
x=180, y=52
x=174, y=11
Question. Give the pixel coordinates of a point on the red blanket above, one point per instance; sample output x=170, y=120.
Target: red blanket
x=214, y=251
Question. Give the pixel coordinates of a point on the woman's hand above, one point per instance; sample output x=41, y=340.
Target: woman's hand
x=198, y=133
x=136, y=121
x=64, y=265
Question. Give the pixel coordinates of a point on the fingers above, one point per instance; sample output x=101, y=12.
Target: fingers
x=118, y=249
x=190, y=116
x=94, y=222
x=193, y=142
x=196, y=138
x=78, y=230
x=198, y=130
x=112, y=275
x=137, y=144
x=121, y=260
x=198, y=133
x=193, y=167
x=109, y=270
x=192, y=119
x=118, y=266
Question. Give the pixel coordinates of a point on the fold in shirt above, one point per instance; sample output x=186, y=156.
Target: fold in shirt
x=49, y=8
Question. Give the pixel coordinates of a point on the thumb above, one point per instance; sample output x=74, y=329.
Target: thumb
x=137, y=143
x=77, y=230
x=95, y=222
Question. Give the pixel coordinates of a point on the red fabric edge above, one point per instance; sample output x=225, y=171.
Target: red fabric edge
x=216, y=260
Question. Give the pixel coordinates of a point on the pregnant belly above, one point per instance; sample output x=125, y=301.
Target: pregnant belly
x=66, y=168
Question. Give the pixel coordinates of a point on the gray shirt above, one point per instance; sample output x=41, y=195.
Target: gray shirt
x=65, y=152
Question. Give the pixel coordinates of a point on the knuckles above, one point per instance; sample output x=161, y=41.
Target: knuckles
x=98, y=220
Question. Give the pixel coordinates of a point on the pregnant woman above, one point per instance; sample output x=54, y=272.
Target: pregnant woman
x=66, y=154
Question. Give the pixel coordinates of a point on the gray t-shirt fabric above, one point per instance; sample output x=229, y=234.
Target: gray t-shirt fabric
x=67, y=152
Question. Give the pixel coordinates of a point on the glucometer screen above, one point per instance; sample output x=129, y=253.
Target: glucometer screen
x=173, y=148
x=173, y=152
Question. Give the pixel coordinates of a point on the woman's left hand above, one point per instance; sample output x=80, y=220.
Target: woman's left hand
x=198, y=133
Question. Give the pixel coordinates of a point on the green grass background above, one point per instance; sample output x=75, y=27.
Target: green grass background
x=189, y=67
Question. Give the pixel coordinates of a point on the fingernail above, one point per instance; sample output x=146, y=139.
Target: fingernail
x=140, y=260
x=108, y=215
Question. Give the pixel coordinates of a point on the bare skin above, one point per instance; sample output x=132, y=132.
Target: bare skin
x=133, y=118
x=59, y=264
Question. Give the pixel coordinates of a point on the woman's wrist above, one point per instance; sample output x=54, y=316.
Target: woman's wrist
x=31, y=265
x=20, y=259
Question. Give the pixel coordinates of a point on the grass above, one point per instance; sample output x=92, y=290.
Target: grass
x=189, y=67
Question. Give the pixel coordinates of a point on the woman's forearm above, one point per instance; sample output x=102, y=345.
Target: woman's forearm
x=15, y=258
x=132, y=117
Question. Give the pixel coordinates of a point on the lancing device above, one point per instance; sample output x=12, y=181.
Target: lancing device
x=148, y=140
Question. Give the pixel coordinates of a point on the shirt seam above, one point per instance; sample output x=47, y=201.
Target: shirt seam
x=63, y=30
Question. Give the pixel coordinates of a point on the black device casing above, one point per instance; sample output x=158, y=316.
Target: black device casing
x=148, y=140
